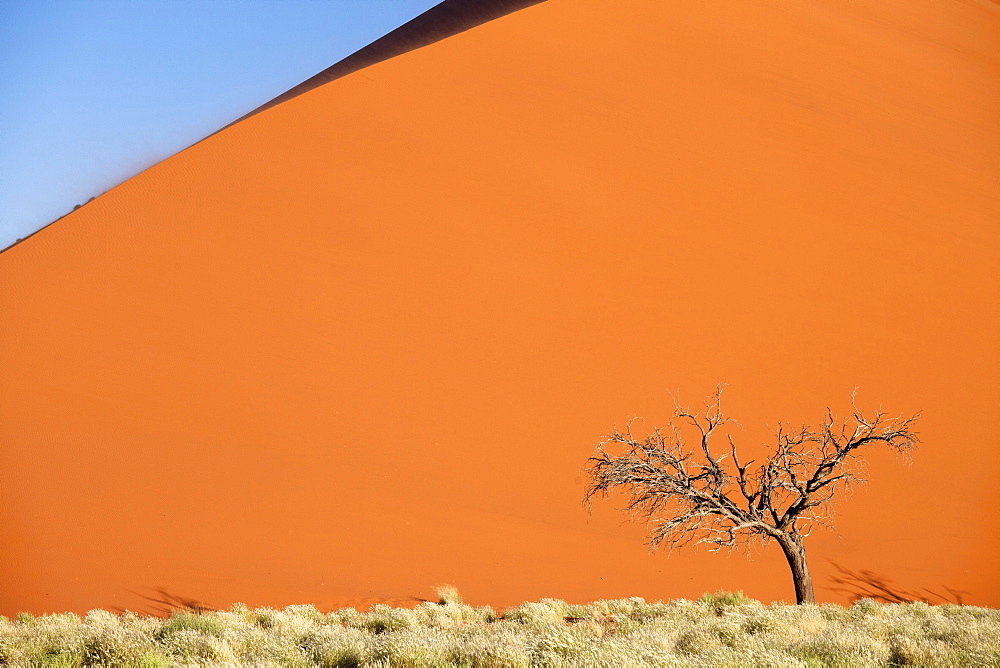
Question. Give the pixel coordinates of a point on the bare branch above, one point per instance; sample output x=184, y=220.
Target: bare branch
x=710, y=497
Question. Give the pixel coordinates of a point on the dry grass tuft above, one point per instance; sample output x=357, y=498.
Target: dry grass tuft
x=720, y=629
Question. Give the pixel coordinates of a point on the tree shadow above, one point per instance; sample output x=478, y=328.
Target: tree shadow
x=861, y=584
x=163, y=604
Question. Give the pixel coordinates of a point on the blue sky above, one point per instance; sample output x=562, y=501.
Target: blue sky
x=93, y=92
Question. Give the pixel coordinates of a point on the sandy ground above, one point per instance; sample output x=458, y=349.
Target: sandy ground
x=362, y=343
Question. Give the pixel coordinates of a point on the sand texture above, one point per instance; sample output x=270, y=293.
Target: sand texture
x=362, y=343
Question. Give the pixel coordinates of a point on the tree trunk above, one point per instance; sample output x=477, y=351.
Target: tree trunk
x=795, y=553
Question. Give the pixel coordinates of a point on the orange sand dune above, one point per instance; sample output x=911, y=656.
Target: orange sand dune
x=361, y=343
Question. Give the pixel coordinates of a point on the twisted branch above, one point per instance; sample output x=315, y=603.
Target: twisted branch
x=707, y=496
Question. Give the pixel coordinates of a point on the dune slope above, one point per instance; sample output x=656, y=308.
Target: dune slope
x=362, y=342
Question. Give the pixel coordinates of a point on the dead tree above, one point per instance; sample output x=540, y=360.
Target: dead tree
x=706, y=495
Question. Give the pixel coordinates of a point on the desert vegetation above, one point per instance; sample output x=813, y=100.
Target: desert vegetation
x=722, y=629
x=704, y=495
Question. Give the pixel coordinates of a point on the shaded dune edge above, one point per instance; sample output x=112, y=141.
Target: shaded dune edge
x=442, y=21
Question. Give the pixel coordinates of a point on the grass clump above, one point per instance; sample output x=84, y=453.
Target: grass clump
x=200, y=624
x=448, y=595
x=721, y=600
x=719, y=629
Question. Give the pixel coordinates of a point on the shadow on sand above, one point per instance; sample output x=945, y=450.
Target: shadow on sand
x=163, y=604
x=853, y=584
x=868, y=584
